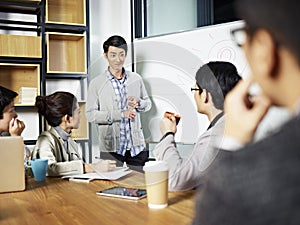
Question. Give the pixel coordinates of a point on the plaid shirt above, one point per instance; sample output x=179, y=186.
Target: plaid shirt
x=125, y=130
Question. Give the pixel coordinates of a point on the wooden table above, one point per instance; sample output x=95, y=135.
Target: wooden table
x=58, y=201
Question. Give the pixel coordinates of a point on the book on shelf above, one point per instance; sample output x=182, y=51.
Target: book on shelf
x=27, y=95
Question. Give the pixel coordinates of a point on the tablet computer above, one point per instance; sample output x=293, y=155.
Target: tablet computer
x=122, y=192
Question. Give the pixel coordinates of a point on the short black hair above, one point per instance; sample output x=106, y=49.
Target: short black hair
x=218, y=78
x=116, y=41
x=6, y=97
x=279, y=17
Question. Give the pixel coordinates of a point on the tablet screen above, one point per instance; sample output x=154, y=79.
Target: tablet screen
x=122, y=192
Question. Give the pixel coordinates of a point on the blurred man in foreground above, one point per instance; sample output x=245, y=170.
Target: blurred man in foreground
x=261, y=183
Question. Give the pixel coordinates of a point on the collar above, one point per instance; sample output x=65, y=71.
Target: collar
x=111, y=77
x=215, y=120
x=297, y=108
x=63, y=134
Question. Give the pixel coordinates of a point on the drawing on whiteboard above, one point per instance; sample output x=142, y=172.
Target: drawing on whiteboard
x=224, y=51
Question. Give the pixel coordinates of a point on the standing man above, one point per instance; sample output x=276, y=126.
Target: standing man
x=261, y=183
x=114, y=102
x=213, y=81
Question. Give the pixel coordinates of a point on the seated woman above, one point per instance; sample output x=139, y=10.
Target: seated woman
x=61, y=110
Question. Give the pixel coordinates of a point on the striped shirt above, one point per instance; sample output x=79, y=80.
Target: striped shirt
x=125, y=130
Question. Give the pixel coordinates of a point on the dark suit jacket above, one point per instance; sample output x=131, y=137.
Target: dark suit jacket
x=258, y=185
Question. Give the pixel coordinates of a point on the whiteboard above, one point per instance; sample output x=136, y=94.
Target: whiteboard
x=168, y=65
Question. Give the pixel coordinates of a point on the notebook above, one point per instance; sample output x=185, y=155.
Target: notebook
x=12, y=171
x=112, y=175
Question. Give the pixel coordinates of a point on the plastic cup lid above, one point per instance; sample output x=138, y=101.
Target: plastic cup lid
x=156, y=166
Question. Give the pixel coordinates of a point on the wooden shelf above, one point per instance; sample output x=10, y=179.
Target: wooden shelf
x=66, y=53
x=83, y=132
x=66, y=12
x=25, y=1
x=20, y=46
x=21, y=5
x=15, y=76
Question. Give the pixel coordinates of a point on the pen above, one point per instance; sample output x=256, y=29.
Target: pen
x=80, y=180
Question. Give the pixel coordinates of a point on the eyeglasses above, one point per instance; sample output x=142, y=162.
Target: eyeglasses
x=197, y=89
x=239, y=36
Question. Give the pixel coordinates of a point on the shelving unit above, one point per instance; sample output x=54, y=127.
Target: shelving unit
x=22, y=6
x=72, y=12
x=21, y=58
x=53, y=45
x=66, y=53
x=83, y=132
x=16, y=76
x=20, y=46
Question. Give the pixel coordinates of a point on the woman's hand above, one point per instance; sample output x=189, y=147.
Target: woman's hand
x=101, y=166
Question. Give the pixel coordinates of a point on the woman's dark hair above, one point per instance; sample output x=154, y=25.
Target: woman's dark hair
x=218, y=78
x=55, y=106
x=279, y=17
x=6, y=97
x=116, y=41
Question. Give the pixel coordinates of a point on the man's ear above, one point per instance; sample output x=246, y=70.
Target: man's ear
x=205, y=96
x=105, y=55
x=265, y=53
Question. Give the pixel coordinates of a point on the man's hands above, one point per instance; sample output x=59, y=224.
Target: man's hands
x=168, y=125
x=16, y=127
x=104, y=166
x=243, y=113
x=133, y=103
x=130, y=113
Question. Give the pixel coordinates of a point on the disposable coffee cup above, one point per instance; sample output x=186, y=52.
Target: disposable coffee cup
x=39, y=168
x=156, y=177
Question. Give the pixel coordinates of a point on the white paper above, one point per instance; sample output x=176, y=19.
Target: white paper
x=113, y=175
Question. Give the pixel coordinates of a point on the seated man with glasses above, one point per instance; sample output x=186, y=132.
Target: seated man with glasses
x=213, y=81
